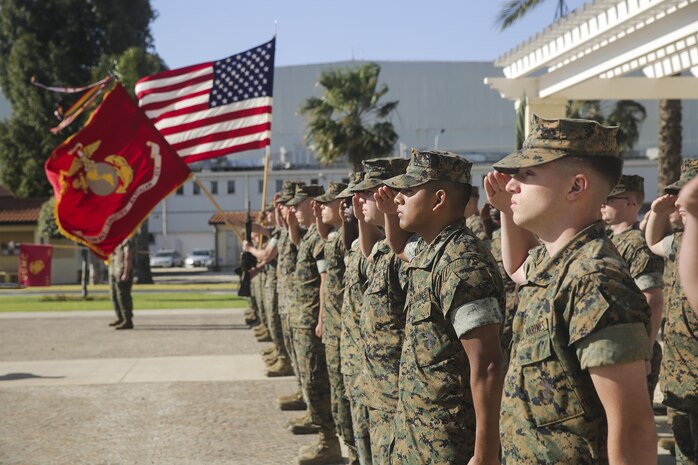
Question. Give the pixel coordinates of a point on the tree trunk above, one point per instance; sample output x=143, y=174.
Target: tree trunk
x=670, y=139
x=142, y=260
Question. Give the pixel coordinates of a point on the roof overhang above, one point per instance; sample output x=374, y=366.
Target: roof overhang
x=584, y=54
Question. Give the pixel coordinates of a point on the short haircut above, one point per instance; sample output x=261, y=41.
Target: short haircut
x=457, y=192
x=638, y=196
x=609, y=169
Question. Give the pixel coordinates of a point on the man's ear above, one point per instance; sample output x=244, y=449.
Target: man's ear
x=580, y=184
x=439, y=199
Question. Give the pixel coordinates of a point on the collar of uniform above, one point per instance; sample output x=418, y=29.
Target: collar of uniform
x=428, y=253
x=634, y=227
x=550, y=267
x=380, y=248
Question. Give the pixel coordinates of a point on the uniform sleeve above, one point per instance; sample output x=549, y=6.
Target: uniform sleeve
x=608, y=320
x=471, y=294
x=668, y=246
x=318, y=251
x=647, y=269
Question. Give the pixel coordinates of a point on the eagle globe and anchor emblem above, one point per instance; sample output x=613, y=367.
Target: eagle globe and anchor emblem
x=103, y=178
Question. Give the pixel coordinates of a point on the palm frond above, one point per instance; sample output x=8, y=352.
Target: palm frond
x=513, y=10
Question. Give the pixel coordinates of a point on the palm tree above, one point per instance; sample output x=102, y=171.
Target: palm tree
x=514, y=10
x=626, y=114
x=349, y=118
x=670, y=141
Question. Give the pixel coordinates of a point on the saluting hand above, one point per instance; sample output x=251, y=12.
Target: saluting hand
x=358, y=212
x=291, y=217
x=317, y=209
x=664, y=205
x=385, y=200
x=497, y=195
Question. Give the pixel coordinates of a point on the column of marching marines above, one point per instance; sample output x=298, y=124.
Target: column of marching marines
x=421, y=331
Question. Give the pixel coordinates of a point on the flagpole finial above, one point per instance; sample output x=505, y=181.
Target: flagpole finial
x=276, y=23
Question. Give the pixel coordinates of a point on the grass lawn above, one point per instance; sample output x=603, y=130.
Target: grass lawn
x=200, y=296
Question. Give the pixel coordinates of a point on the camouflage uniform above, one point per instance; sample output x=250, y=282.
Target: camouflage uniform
x=454, y=288
x=512, y=298
x=351, y=348
x=579, y=309
x=679, y=374
x=285, y=269
x=120, y=291
x=270, y=298
x=647, y=271
x=382, y=327
x=333, y=290
x=382, y=322
x=474, y=222
x=310, y=353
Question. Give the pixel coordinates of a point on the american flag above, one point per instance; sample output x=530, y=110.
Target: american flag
x=213, y=109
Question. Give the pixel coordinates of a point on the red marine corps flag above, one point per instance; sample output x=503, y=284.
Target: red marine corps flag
x=35, y=264
x=111, y=174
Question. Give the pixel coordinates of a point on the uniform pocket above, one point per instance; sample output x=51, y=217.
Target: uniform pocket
x=548, y=389
x=429, y=335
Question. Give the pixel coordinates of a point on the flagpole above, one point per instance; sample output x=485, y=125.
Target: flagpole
x=218, y=208
x=267, y=156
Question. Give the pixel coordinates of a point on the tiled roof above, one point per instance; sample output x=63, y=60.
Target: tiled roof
x=217, y=217
x=19, y=211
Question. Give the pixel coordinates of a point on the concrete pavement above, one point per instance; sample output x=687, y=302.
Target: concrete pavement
x=183, y=387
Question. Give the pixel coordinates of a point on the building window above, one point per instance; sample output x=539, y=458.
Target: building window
x=214, y=187
x=279, y=185
x=260, y=185
x=231, y=187
x=313, y=181
x=180, y=190
x=10, y=248
x=197, y=189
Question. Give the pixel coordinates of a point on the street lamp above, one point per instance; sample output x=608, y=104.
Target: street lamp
x=436, y=138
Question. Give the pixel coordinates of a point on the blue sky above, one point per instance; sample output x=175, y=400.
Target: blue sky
x=313, y=31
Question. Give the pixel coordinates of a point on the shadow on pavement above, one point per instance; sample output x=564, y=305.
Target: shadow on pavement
x=16, y=376
x=181, y=327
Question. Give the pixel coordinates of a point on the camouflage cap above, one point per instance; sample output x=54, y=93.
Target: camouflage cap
x=333, y=189
x=433, y=165
x=305, y=191
x=378, y=170
x=289, y=191
x=551, y=139
x=629, y=183
x=354, y=179
x=689, y=168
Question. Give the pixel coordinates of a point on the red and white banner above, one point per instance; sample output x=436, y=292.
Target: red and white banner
x=110, y=175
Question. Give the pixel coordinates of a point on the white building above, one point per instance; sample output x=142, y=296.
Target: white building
x=433, y=96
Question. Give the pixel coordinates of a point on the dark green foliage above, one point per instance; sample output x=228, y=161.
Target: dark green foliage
x=348, y=120
x=514, y=10
x=48, y=229
x=61, y=43
x=628, y=115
